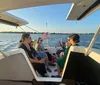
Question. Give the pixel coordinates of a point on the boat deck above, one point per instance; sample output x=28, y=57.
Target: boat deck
x=64, y=82
x=53, y=72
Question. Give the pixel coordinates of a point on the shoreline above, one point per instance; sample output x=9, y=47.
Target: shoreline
x=51, y=33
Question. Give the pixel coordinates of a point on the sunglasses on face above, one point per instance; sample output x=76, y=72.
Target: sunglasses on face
x=30, y=38
x=68, y=40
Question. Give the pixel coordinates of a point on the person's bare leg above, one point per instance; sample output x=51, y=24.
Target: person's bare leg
x=46, y=61
x=59, y=70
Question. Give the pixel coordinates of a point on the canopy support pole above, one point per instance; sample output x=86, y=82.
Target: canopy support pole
x=31, y=28
x=22, y=29
x=92, y=41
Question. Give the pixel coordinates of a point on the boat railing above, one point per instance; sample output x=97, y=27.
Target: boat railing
x=92, y=41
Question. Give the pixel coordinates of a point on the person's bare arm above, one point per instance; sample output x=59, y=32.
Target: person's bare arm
x=36, y=60
x=61, y=54
x=60, y=44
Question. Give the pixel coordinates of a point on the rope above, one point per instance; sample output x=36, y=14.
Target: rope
x=31, y=28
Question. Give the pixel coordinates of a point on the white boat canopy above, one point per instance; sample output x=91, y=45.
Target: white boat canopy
x=10, y=19
x=79, y=10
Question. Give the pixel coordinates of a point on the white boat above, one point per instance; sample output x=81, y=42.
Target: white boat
x=82, y=64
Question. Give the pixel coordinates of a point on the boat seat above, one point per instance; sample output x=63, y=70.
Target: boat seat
x=16, y=66
x=82, y=68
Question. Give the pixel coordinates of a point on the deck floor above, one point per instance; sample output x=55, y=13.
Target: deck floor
x=64, y=82
x=53, y=72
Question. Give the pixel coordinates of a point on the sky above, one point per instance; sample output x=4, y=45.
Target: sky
x=52, y=18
